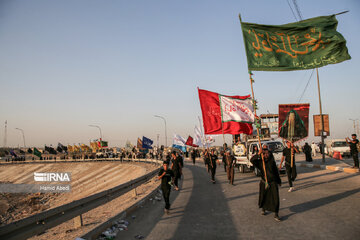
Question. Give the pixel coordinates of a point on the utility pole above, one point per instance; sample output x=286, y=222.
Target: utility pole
x=322, y=119
x=5, y=135
x=157, y=137
x=356, y=126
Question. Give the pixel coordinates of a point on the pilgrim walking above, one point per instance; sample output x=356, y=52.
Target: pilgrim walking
x=289, y=156
x=270, y=179
x=166, y=175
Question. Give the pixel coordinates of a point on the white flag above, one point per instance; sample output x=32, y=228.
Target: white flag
x=237, y=110
x=198, y=137
x=179, y=140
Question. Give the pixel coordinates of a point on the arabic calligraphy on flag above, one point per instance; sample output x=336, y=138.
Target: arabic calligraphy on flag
x=306, y=44
x=237, y=110
x=229, y=117
x=146, y=143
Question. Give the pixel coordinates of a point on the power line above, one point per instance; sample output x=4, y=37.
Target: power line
x=297, y=9
x=292, y=10
x=307, y=84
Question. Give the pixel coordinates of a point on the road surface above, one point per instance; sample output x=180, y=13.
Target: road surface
x=325, y=205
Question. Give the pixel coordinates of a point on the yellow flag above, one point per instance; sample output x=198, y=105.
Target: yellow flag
x=70, y=148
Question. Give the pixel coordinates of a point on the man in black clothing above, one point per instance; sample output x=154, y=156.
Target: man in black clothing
x=223, y=155
x=180, y=158
x=269, y=191
x=212, y=165
x=193, y=155
x=353, y=149
x=289, y=156
x=207, y=160
x=177, y=169
x=166, y=174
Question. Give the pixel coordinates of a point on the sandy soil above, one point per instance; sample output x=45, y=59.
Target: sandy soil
x=86, y=179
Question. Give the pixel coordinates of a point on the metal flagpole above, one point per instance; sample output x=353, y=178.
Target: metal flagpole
x=201, y=132
x=257, y=129
x=222, y=128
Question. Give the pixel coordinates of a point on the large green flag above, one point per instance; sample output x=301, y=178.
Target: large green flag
x=37, y=152
x=307, y=44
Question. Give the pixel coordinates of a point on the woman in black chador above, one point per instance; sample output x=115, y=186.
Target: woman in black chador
x=293, y=128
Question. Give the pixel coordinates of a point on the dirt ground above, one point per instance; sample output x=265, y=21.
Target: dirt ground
x=86, y=179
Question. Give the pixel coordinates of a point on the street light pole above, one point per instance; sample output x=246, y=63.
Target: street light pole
x=157, y=137
x=22, y=131
x=99, y=130
x=165, y=128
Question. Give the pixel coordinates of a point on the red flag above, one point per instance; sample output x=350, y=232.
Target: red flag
x=189, y=142
x=212, y=115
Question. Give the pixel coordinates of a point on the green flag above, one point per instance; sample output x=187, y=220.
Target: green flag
x=37, y=152
x=307, y=44
x=104, y=143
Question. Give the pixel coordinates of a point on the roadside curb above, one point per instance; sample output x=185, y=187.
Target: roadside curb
x=325, y=167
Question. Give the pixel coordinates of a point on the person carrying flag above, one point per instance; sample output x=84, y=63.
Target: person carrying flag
x=207, y=160
x=230, y=170
x=268, y=187
x=289, y=156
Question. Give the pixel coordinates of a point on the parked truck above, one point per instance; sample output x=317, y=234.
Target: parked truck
x=337, y=145
x=243, y=152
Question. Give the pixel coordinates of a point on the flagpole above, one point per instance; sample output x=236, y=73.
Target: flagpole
x=222, y=128
x=202, y=133
x=257, y=128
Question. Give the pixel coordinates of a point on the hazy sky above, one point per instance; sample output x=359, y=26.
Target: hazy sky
x=67, y=64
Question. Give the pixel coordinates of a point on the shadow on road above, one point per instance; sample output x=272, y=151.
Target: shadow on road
x=313, y=184
x=206, y=215
x=306, y=206
x=316, y=176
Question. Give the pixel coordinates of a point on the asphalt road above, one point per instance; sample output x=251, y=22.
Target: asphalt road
x=325, y=205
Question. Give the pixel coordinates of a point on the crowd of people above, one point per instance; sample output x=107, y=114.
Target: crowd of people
x=262, y=159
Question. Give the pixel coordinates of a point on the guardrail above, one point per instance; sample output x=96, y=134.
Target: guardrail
x=38, y=223
x=147, y=160
x=94, y=233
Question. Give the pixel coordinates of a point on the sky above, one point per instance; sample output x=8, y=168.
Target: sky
x=65, y=65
